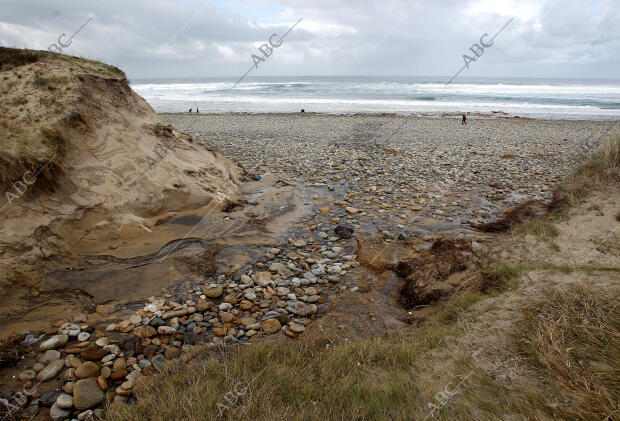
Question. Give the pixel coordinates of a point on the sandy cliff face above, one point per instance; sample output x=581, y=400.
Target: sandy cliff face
x=81, y=155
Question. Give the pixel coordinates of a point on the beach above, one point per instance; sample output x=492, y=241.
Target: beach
x=396, y=171
x=241, y=210
x=253, y=229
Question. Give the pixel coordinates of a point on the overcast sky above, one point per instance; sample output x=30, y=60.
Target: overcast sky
x=202, y=38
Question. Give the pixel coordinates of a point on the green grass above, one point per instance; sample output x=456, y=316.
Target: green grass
x=554, y=247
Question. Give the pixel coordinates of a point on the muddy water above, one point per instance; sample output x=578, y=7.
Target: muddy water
x=128, y=270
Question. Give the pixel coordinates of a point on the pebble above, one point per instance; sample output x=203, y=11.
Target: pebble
x=87, y=394
x=213, y=292
x=270, y=326
x=102, y=341
x=158, y=361
x=49, y=356
x=58, y=413
x=50, y=371
x=87, y=369
x=299, y=243
x=150, y=308
x=296, y=327
x=54, y=342
x=64, y=401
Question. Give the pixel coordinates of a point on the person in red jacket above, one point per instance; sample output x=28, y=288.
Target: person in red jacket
x=464, y=119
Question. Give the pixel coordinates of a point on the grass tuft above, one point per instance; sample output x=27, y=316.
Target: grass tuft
x=368, y=379
x=602, y=167
x=541, y=228
x=572, y=338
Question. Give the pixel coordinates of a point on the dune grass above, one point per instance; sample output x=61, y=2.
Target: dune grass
x=602, y=167
x=367, y=379
x=572, y=338
x=567, y=348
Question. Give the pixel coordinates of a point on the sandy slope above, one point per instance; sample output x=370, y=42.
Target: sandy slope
x=83, y=155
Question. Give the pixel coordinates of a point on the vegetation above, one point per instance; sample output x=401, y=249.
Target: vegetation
x=10, y=58
x=602, y=167
x=564, y=352
x=539, y=227
x=569, y=338
x=572, y=338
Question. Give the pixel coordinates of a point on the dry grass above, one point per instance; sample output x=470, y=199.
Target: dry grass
x=572, y=337
x=602, y=167
x=369, y=379
x=540, y=228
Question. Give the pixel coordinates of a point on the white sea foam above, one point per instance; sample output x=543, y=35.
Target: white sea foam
x=535, y=98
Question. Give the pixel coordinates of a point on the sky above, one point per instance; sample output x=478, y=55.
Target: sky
x=217, y=38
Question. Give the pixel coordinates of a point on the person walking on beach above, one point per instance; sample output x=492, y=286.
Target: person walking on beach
x=190, y=110
x=464, y=120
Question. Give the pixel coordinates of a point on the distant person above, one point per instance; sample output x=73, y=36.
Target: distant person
x=197, y=112
x=303, y=111
x=464, y=121
x=190, y=110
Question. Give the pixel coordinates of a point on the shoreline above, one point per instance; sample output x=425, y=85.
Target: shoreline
x=447, y=115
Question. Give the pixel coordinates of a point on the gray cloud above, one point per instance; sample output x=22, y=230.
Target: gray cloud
x=168, y=38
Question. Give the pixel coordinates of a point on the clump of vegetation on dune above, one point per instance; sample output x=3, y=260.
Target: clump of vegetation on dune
x=601, y=168
x=572, y=338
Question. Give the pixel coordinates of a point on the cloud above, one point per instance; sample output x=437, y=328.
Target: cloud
x=196, y=38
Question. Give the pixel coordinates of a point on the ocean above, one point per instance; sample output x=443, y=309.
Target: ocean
x=526, y=97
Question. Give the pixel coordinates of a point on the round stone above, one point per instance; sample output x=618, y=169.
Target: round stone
x=271, y=326
x=86, y=394
x=58, y=413
x=49, y=356
x=214, y=292
x=86, y=370
x=51, y=370
x=102, y=341
x=297, y=327
x=83, y=336
x=54, y=342
x=64, y=401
